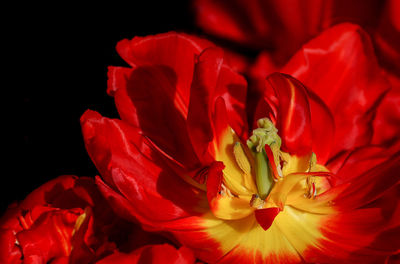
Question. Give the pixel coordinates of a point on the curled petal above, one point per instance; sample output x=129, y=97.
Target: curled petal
x=293, y=113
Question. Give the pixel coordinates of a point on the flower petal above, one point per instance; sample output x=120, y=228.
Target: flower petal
x=293, y=110
x=213, y=80
x=323, y=128
x=387, y=119
x=370, y=185
x=387, y=37
x=202, y=101
x=265, y=217
x=129, y=164
x=355, y=243
x=158, y=117
x=9, y=251
x=164, y=253
x=49, y=237
x=176, y=52
x=340, y=67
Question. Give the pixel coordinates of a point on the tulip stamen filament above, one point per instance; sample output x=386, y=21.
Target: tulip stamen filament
x=225, y=191
x=311, y=191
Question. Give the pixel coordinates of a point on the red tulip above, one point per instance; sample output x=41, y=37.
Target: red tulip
x=66, y=221
x=300, y=182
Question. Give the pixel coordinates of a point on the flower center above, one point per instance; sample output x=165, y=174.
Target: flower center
x=258, y=177
x=264, y=141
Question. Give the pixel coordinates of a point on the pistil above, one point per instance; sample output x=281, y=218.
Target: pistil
x=265, y=134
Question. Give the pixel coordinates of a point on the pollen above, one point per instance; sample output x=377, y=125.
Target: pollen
x=256, y=202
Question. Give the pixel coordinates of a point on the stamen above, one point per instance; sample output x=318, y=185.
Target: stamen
x=312, y=162
x=241, y=158
x=23, y=222
x=225, y=191
x=256, y=202
x=79, y=221
x=311, y=191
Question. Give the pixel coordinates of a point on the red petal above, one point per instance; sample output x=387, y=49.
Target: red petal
x=265, y=217
x=152, y=254
x=117, y=201
x=323, y=128
x=282, y=25
x=293, y=120
x=232, y=87
x=151, y=90
x=371, y=185
x=49, y=237
x=9, y=251
x=117, y=86
x=221, y=19
x=201, y=101
x=176, y=52
x=214, y=180
x=48, y=192
x=394, y=259
x=359, y=162
x=351, y=238
x=387, y=36
x=129, y=164
x=340, y=67
x=387, y=119
x=212, y=80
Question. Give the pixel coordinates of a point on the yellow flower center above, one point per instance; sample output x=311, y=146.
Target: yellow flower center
x=260, y=177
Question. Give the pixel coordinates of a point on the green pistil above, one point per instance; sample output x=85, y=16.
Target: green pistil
x=265, y=134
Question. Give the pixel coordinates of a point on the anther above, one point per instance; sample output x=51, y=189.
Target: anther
x=256, y=202
x=241, y=158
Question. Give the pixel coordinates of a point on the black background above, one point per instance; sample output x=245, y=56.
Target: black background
x=56, y=65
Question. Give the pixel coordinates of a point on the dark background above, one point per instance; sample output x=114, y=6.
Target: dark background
x=57, y=58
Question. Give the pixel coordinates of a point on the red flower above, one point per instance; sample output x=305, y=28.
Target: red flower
x=304, y=184
x=66, y=221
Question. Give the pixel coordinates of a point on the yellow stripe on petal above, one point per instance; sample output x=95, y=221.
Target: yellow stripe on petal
x=227, y=233
x=318, y=205
x=284, y=187
x=245, y=236
x=268, y=242
x=300, y=228
x=230, y=208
